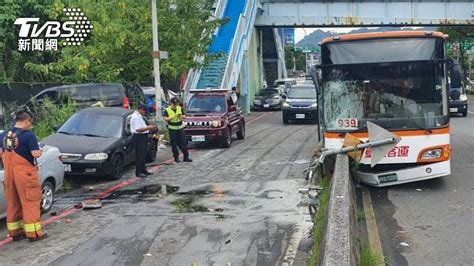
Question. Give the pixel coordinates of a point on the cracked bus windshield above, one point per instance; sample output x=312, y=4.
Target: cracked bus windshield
x=394, y=95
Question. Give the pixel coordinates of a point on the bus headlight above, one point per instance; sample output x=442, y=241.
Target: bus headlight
x=216, y=123
x=314, y=105
x=432, y=154
x=435, y=154
x=463, y=97
x=285, y=104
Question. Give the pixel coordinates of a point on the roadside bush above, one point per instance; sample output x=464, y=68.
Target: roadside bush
x=49, y=114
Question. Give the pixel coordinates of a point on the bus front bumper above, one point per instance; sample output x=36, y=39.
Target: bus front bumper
x=402, y=176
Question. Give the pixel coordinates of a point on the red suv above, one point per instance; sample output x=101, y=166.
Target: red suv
x=212, y=116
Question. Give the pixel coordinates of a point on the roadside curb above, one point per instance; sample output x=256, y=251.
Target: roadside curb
x=372, y=228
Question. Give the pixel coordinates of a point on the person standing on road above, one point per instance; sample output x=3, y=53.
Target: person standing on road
x=235, y=95
x=19, y=149
x=140, y=130
x=174, y=115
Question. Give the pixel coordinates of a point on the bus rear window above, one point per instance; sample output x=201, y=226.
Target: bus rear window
x=382, y=50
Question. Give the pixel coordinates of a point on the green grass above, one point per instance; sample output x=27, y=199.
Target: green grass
x=360, y=215
x=67, y=185
x=367, y=256
x=49, y=114
x=319, y=221
x=470, y=92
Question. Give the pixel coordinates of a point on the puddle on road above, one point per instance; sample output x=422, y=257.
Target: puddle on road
x=154, y=190
x=186, y=205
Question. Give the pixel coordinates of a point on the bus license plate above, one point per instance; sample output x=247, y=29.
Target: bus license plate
x=199, y=138
x=67, y=168
x=300, y=116
x=388, y=178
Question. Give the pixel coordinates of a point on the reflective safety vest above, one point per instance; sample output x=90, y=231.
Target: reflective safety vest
x=176, y=123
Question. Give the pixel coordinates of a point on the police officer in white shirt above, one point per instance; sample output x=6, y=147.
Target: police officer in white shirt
x=140, y=130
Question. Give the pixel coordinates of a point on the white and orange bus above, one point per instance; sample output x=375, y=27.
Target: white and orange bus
x=397, y=80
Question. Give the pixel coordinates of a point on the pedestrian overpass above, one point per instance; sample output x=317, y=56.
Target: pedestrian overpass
x=249, y=51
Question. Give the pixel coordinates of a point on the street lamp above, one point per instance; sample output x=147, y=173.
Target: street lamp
x=156, y=60
x=305, y=53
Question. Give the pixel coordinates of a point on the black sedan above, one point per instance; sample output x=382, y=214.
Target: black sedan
x=98, y=142
x=301, y=104
x=270, y=98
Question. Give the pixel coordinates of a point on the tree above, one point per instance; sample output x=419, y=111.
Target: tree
x=120, y=45
x=300, y=60
x=460, y=35
x=12, y=61
x=289, y=57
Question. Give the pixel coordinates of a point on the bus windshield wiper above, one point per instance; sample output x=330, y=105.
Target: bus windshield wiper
x=64, y=132
x=425, y=128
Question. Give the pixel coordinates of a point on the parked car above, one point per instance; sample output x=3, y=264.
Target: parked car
x=212, y=116
x=269, y=98
x=287, y=82
x=51, y=174
x=150, y=95
x=300, y=104
x=85, y=95
x=98, y=142
x=458, y=100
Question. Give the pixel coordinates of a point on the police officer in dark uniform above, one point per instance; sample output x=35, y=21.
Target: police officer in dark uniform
x=174, y=115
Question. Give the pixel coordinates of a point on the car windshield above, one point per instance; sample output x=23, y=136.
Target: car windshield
x=302, y=92
x=212, y=104
x=85, y=124
x=267, y=92
x=405, y=95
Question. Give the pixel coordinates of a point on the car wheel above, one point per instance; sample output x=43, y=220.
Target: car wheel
x=47, y=190
x=117, y=167
x=241, y=133
x=151, y=155
x=286, y=121
x=227, y=141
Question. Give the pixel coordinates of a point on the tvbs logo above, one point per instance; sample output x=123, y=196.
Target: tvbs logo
x=34, y=36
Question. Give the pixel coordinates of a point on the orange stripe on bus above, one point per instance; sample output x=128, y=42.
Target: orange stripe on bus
x=404, y=133
x=378, y=35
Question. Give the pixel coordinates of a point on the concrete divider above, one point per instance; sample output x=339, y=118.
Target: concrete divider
x=339, y=245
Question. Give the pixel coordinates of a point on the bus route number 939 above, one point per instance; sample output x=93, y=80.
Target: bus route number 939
x=348, y=123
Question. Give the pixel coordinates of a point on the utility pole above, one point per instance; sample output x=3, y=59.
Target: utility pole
x=156, y=61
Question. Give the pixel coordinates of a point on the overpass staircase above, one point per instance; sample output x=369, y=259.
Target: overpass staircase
x=229, y=44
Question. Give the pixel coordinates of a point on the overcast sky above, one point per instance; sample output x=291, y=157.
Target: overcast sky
x=301, y=32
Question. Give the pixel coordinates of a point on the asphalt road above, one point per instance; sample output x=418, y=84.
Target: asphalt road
x=435, y=217
x=239, y=205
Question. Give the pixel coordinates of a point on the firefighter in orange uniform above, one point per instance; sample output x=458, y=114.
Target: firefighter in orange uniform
x=19, y=149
